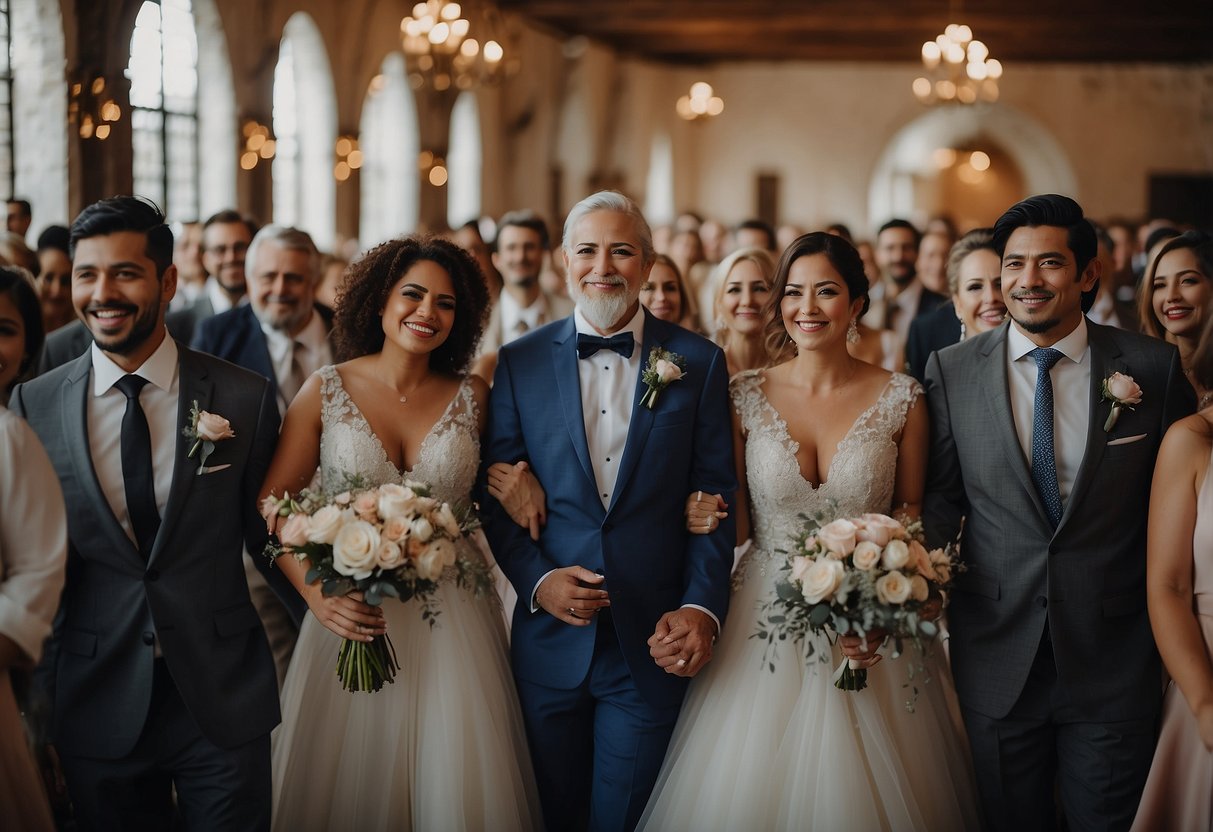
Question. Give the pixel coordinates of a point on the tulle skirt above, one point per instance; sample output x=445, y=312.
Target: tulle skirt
x=757, y=748
x=441, y=748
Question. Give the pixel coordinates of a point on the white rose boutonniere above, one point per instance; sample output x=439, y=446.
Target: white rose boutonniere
x=664, y=368
x=205, y=429
x=1122, y=391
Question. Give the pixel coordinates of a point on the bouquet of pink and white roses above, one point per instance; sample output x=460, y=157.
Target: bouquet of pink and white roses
x=394, y=541
x=858, y=575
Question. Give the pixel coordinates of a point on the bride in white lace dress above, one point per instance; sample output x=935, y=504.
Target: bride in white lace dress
x=443, y=746
x=756, y=749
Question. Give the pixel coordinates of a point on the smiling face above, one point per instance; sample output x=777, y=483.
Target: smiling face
x=742, y=296
x=896, y=254
x=282, y=287
x=1181, y=293
x=420, y=309
x=224, y=245
x=55, y=288
x=816, y=307
x=1041, y=283
x=660, y=294
x=519, y=258
x=978, y=299
x=117, y=294
x=605, y=268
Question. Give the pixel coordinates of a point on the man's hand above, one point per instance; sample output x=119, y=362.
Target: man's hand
x=561, y=593
x=682, y=642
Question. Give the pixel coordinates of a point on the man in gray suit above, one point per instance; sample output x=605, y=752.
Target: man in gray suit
x=161, y=678
x=1055, y=666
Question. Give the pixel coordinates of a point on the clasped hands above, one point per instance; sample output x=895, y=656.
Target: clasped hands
x=681, y=643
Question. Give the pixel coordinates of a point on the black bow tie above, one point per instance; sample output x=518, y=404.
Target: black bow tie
x=587, y=345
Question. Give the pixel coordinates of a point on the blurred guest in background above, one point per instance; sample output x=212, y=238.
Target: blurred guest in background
x=1178, y=297
x=55, y=277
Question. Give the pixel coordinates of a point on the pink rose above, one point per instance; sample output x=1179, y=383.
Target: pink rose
x=396, y=528
x=366, y=506
x=389, y=555
x=822, y=580
x=325, y=524
x=919, y=589
x=838, y=536
x=355, y=549
x=667, y=371
x=892, y=588
x=921, y=560
x=866, y=555
x=213, y=428
x=800, y=566
x=878, y=528
x=1123, y=388
x=295, y=530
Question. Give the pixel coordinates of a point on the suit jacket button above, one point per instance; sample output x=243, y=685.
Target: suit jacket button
x=1042, y=601
x=152, y=575
x=606, y=527
x=149, y=638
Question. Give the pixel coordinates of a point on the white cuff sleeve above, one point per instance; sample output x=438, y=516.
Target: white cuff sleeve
x=535, y=592
x=706, y=611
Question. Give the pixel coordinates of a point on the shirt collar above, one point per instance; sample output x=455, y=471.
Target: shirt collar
x=220, y=302
x=512, y=311
x=160, y=368
x=909, y=297
x=311, y=337
x=635, y=325
x=1073, y=346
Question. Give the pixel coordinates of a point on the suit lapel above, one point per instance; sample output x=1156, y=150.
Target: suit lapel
x=75, y=433
x=998, y=401
x=1105, y=359
x=642, y=417
x=194, y=385
x=568, y=386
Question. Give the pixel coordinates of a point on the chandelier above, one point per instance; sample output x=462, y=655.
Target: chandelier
x=700, y=103
x=440, y=52
x=959, y=69
x=91, y=107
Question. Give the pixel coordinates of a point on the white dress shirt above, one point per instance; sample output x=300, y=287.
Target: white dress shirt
x=220, y=302
x=513, y=314
x=106, y=407
x=1071, y=398
x=312, y=351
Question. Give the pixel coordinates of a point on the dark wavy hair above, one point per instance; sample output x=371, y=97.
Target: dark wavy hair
x=357, y=321
x=1053, y=210
x=17, y=285
x=126, y=213
x=845, y=259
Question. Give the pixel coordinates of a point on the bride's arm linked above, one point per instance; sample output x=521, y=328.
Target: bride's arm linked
x=912, y=452
x=1169, y=553
x=292, y=468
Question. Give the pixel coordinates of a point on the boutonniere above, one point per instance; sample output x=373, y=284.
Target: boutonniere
x=205, y=429
x=1122, y=391
x=664, y=368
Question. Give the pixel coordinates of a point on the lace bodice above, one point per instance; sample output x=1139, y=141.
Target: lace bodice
x=860, y=477
x=447, y=460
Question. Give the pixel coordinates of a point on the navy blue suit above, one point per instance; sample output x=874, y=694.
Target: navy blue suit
x=599, y=711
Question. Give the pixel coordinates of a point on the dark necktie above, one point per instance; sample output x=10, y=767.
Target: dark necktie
x=137, y=474
x=587, y=345
x=1044, y=459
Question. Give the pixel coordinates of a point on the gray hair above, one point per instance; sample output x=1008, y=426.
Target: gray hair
x=612, y=201
x=290, y=238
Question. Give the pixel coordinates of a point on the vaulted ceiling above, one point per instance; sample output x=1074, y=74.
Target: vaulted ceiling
x=708, y=31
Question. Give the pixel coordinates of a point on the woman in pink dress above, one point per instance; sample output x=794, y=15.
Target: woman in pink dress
x=1179, y=585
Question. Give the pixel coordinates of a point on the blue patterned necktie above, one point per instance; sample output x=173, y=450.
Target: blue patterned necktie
x=1044, y=459
x=623, y=343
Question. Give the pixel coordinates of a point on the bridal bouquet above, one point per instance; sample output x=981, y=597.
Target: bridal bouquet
x=857, y=575
x=393, y=541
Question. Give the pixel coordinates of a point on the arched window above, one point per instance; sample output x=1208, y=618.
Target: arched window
x=390, y=147
x=163, y=71
x=463, y=162
x=305, y=125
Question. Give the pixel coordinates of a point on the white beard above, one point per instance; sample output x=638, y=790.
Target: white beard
x=602, y=312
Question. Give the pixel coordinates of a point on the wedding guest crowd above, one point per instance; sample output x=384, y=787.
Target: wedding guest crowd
x=628, y=408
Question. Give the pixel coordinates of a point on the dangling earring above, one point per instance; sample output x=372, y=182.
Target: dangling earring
x=962, y=330
x=853, y=332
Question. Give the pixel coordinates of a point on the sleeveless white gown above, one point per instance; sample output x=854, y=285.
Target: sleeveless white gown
x=441, y=748
x=786, y=750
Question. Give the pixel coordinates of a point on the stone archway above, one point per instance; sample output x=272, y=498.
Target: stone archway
x=910, y=157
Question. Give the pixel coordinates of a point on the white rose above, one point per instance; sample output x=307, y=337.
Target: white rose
x=866, y=555
x=878, y=528
x=213, y=428
x=343, y=499
x=355, y=549
x=800, y=565
x=667, y=371
x=822, y=579
x=394, y=499
x=445, y=520
x=389, y=555
x=422, y=530
x=294, y=531
x=366, y=506
x=892, y=588
x=838, y=537
x=896, y=555
x=919, y=589
x=396, y=528
x=325, y=524
x=1123, y=388
x=434, y=558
